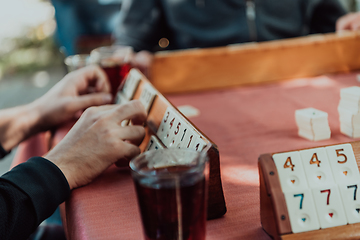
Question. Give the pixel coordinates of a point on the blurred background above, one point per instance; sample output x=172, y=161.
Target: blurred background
x=35, y=39
x=351, y=5
x=31, y=56
x=28, y=54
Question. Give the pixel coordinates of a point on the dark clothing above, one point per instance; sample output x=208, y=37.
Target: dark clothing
x=30, y=193
x=209, y=23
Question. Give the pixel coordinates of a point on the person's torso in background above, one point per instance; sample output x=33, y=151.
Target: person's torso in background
x=207, y=23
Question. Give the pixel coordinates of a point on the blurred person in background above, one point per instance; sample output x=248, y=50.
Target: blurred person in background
x=350, y=22
x=152, y=25
x=85, y=24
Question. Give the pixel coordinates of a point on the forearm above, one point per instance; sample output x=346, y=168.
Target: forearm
x=18, y=124
x=29, y=193
x=62, y=103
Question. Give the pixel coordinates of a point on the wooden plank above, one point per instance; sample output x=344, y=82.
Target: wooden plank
x=254, y=63
x=348, y=232
x=273, y=211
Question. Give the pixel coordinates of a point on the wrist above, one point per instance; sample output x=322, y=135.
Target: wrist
x=34, y=115
x=16, y=125
x=62, y=164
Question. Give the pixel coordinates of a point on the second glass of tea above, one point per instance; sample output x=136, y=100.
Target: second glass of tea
x=171, y=187
x=77, y=61
x=115, y=60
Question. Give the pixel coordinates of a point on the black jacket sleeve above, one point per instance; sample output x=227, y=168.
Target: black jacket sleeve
x=324, y=14
x=30, y=193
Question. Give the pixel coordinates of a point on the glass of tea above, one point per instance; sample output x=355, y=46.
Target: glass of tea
x=74, y=62
x=115, y=60
x=171, y=187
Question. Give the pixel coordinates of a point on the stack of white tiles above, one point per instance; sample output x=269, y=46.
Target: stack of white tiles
x=312, y=124
x=349, y=111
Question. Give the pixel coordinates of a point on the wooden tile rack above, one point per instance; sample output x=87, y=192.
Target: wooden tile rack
x=157, y=105
x=274, y=213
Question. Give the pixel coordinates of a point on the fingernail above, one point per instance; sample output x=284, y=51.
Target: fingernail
x=107, y=98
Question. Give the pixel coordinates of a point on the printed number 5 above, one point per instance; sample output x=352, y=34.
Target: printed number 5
x=177, y=128
x=341, y=154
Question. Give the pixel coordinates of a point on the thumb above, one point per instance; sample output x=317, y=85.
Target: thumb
x=92, y=99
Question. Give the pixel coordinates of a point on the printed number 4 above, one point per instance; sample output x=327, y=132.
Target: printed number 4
x=314, y=160
x=288, y=164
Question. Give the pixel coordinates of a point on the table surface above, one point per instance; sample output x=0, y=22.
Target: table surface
x=244, y=122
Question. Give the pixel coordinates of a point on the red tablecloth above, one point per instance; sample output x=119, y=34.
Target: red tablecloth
x=244, y=123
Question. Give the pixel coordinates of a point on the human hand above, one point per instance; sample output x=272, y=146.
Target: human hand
x=66, y=100
x=97, y=140
x=77, y=91
x=350, y=21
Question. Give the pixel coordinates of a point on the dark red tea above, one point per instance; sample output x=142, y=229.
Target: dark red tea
x=116, y=74
x=170, y=213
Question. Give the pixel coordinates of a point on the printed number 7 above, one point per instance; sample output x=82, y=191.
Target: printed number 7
x=353, y=186
x=328, y=196
x=301, y=195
